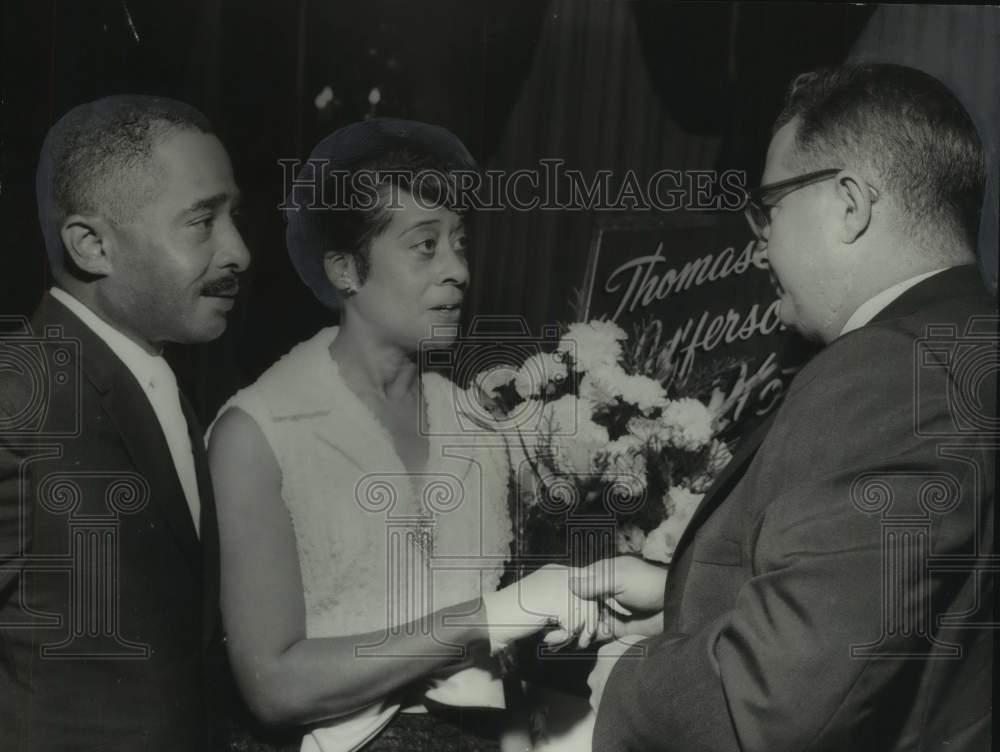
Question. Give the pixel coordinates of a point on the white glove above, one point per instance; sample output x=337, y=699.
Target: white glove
x=473, y=687
x=534, y=602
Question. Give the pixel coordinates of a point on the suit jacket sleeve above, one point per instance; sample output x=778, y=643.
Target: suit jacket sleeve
x=772, y=672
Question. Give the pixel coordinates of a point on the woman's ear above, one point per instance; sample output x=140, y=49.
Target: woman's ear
x=856, y=199
x=89, y=243
x=340, y=271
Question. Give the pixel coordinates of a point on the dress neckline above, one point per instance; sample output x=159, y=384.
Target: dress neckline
x=365, y=415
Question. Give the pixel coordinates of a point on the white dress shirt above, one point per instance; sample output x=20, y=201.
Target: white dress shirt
x=871, y=307
x=160, y=387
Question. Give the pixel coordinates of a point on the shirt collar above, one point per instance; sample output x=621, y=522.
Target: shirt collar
x=871, y=307
x=145, y=367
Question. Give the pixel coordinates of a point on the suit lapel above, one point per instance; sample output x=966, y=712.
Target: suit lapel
x=135, y=420
x=725, y=483
x=720, y=490
x=129, y=410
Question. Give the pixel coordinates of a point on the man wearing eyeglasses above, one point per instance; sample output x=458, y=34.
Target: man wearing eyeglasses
x=833, y=591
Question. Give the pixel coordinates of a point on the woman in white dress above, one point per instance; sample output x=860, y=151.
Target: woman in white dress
x=363, y=527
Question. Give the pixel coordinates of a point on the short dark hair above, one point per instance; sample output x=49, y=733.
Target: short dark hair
x=350, y=224
x=96, y=159
x=904, y=125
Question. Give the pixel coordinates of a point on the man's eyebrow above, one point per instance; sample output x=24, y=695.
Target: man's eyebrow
x=211, y=203
x=418, y=224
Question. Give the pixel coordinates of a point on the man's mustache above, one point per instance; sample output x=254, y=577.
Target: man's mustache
x=223, y=286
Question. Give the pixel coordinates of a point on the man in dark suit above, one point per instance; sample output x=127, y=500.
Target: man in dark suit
x=833, y=590
x=109, y=578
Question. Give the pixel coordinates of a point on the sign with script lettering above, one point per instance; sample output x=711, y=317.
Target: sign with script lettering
x=701, y=277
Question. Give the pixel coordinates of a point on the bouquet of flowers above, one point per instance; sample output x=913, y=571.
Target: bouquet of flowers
x=605, y=432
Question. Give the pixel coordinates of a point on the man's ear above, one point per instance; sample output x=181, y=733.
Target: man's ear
x=340, y=271
x=89, y=243
x=856, y=199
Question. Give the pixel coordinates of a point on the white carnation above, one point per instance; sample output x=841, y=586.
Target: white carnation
x=662, y=542
x=601, y=386
x=564, y=415
x=648, y=431
x=626, y=464
x=659, y=544
x=629, y=539
x=643, y=392
x=575, y=439
x=624, y=445
x=604, y=384
x=687, y=424
x=492, y=379
x=718, y=457
x=682, y=502
x=538, y=372
x=593, y=344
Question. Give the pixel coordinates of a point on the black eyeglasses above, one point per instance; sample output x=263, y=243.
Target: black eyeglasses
x=758, y=213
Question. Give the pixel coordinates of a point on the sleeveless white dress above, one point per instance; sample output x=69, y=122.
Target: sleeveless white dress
x=378, y=546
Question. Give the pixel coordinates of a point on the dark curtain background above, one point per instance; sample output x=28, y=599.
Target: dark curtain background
x=641, y=86
x=599, y=83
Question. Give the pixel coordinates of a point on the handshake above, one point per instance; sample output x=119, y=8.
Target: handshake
x=610, y=599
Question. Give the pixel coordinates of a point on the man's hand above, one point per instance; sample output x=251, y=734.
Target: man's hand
x=632, y=593
x=541, y=599
x=607, y=657
x=635, y=584
x=614, y=627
